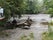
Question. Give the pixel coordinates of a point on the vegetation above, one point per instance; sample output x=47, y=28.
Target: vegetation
x=47, y=36
x=30, y=37
x=48, y=6
x=50, y=27
x=18, y=7
x=12, y=7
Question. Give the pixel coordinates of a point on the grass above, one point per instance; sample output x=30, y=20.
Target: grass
x=47, y=36
x=29, y=37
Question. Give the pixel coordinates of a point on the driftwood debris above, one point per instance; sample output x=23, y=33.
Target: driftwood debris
x=21, y=23
x=25, y=23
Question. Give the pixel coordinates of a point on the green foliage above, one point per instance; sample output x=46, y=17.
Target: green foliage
x=49, y=11
x=51, y=22
x=48, y=4
x=50, y=26
x=47, y=36
x=12, y=7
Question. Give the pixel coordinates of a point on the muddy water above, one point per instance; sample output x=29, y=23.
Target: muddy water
x=36, y=28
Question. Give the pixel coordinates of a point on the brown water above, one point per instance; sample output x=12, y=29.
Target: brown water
x=36, y=28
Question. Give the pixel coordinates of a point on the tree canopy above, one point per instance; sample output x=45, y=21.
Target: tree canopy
x=12, y=7
x=48, y=4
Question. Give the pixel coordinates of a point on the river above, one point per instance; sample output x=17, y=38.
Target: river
x=36, y=28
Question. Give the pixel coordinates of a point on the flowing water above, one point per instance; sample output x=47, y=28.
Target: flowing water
x=36, y=28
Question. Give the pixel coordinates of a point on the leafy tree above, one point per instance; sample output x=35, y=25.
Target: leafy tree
x=31, y=6
x=11, y=7
x=49, y=6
